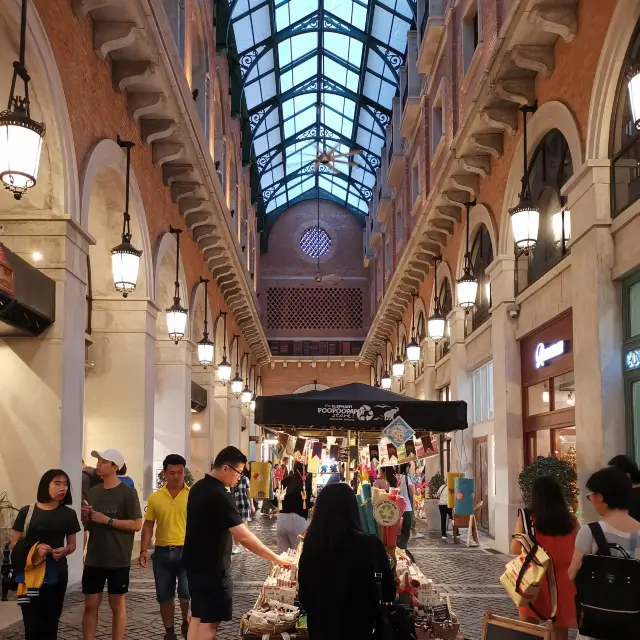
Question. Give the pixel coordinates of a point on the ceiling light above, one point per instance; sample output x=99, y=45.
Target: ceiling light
x=224, y=368
x=436, y=322
x=467, y=286
x=413, y=348
x=397, y=368
x=36, y=256
x=196, y=426
x=205, y=346
x=385, y=381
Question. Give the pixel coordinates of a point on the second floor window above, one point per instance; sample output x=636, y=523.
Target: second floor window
x=482, y=379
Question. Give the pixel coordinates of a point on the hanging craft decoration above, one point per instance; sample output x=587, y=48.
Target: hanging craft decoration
x=291, y=445
x=398, y=431
x=374, y=452
x=392, y=451
x=334, y=452
x=410, y=448
x=353, y=454
x=316, y=450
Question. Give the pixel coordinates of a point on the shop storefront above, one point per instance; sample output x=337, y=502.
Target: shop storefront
x=631, y=306
x=548, y=393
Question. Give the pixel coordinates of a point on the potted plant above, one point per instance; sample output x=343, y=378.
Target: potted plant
x=560, y=469
x=431, y=510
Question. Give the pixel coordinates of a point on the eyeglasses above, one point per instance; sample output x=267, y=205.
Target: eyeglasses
x=234, y=469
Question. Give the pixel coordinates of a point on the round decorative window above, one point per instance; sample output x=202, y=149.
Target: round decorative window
x=315, y=242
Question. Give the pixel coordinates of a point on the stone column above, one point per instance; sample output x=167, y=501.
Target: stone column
x=507, y=400
x=460, y=390
x=597, y=325
x=429, y=376
x=409, y=380
x=220, y=417
x=119, y=402
x=42, y=379
x=202, y=451
x=234, y=420
x=172, y=422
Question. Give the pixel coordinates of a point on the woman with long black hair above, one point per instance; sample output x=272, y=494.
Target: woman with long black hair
x=52, y=525
x=337, y=570
x=405, y=489
x=554, y=529
x=292, y=520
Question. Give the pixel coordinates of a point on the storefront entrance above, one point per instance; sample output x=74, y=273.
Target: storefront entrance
x=549, y=394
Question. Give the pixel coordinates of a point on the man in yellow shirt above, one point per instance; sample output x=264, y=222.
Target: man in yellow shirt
x=167, y=508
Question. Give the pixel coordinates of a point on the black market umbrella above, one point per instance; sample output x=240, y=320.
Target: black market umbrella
x=358, y=407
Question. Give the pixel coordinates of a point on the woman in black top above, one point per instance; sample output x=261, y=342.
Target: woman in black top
x=292, y=520
x=337, y=570
x=53, y=526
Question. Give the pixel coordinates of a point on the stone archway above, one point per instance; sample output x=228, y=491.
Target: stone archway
x=172, y=393
x=119, y=379
x=42, y=382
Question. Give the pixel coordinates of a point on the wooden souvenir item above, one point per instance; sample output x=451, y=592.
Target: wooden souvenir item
x=499, y=628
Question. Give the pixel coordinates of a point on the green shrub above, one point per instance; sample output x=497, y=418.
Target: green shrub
x=561, y=470
x=435, y=483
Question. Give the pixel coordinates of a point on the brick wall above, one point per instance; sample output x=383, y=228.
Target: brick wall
x=281, y=379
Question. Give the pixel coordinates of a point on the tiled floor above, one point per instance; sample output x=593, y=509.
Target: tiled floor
x=469, y=576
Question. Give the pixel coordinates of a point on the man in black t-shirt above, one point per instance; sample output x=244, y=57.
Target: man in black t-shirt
x=212, y=522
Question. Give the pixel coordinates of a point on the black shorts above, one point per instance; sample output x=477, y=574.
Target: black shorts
x=211, y=596
x=94, y=578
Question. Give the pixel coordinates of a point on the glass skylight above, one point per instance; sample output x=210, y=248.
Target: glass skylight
x=319, y=77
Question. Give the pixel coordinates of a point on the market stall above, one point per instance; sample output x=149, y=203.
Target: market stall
x=317, y=427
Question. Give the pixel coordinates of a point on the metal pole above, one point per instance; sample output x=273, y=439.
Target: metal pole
x=347, y=473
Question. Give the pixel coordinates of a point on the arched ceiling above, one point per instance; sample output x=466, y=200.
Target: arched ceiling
x=319, y=75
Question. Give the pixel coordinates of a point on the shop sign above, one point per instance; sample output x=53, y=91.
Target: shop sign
x=632, y=360
x=6, y=275
x=544, y=353
x=362, y=413
x=398, y=431
x=387, y=513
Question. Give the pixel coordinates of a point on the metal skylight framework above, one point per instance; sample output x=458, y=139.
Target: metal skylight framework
x=319, y=74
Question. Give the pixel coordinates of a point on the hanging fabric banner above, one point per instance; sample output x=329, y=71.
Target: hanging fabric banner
x=374, y=452
x=334, y=452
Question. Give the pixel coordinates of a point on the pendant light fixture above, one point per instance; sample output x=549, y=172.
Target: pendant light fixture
x=397, y=368
x=525, y=218
x=467, y=286
x=205, y=346
x=245, y=396
x=385, y=378
x=224, y=368
x=633, y=86
x=256, y=386
x=435, y=324
x=236, y=383
x=413, y=348
x=20, y=136
x=375, y=375
x=176, y=313
x=125, y=258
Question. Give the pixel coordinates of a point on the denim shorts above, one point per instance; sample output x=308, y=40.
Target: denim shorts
x=167, y=570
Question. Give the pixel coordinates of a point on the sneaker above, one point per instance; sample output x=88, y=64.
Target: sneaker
x=418, y=535
x=444, y=537
x=184, y=629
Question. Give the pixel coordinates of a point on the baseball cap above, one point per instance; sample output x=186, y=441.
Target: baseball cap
x=112, y=455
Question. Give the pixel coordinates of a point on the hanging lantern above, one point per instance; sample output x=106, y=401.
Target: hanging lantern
x=224, y=368
x=236, y=383
x=176, y=314
x=413, y=348
x=467, y=286
x=224, y=371
x=125, y=258
x=205, y=346
x=633, y=86
x=20, y=136
x=413, y=352
x=525, y=218
x=252, y=403
x=246, y=395
x=385, y=380
x=397, y=368
x=436, y=322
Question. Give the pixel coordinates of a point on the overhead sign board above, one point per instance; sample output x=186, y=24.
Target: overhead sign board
x=544, y=353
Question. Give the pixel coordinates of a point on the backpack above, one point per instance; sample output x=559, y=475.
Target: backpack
x=608, y=586
x=524, y=575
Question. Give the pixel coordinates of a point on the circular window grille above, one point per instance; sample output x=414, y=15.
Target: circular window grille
x=315, y=242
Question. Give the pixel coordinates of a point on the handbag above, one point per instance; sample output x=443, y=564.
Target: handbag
x=20, y=551
x=393, y=622
x=524, y=575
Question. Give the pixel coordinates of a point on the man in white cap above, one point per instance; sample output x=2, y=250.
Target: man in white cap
x=112, y=517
